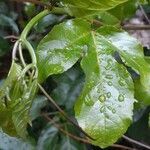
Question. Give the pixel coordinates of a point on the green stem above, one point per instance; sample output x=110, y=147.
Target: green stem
x=31, y=50
x=38, y=17
x=29, y=26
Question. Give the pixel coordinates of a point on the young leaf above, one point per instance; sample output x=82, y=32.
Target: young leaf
x=21, y=110
x=15, y=100
x=61, y=48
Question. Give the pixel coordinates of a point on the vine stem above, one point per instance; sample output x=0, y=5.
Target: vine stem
x=79, y=138
x=27, y=29
x=37, y=18
x=136, y=142
x=61, y=111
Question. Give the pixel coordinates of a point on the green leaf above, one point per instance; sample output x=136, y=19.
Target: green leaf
x=8, y=22
x=87, y=7
x=108, y=18
x=125, y=10
x=132, y=55
x=48, y=139
x=38, y=103
x=68, y=88
x=104, y=108
x=61, y=48
x=7, y=143
x=16, y=97
x=21, y=111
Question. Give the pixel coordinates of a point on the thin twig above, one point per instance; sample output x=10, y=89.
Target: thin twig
x=136, y=142
x=136, y=27
x=61, y=111
x=122, y=147
x=65, y=132
x=79, y=138
x=145, y=15
x=36, y=2
x=11, y=37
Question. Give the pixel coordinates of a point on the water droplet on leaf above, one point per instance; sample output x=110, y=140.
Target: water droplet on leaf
x=122, y=82
x=88, y=101
x=109, y=76
x=121, y=97
x=102, y=98
x=109, y=107
x=110, y=83
x=113, y=111
x=109, y=63
x=102, y=109
x=108, y=95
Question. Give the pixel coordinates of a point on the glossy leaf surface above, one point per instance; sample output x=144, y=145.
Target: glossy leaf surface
x=106, y=102
x=61, y=48
x=105, y=106
x=87, y=7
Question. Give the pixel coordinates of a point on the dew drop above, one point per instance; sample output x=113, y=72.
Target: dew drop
x=109, y=63
x=102, y=109
x=122, y=82
x=107, y=116
x=113, y=111
x=109, y=76
x=121, y=97
x=98, y=90
x=110, y=83
x=102, y=98
x=109, y=107
x=88, y=101
x=108, y=95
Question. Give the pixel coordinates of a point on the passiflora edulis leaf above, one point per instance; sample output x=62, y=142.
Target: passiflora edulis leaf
x=88, y=7
x=61, y=48
x=104, y=108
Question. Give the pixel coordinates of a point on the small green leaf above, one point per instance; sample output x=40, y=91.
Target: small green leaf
x=61, y=48
x=21, y=111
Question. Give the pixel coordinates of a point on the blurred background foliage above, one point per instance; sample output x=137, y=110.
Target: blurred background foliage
x=63, y=88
